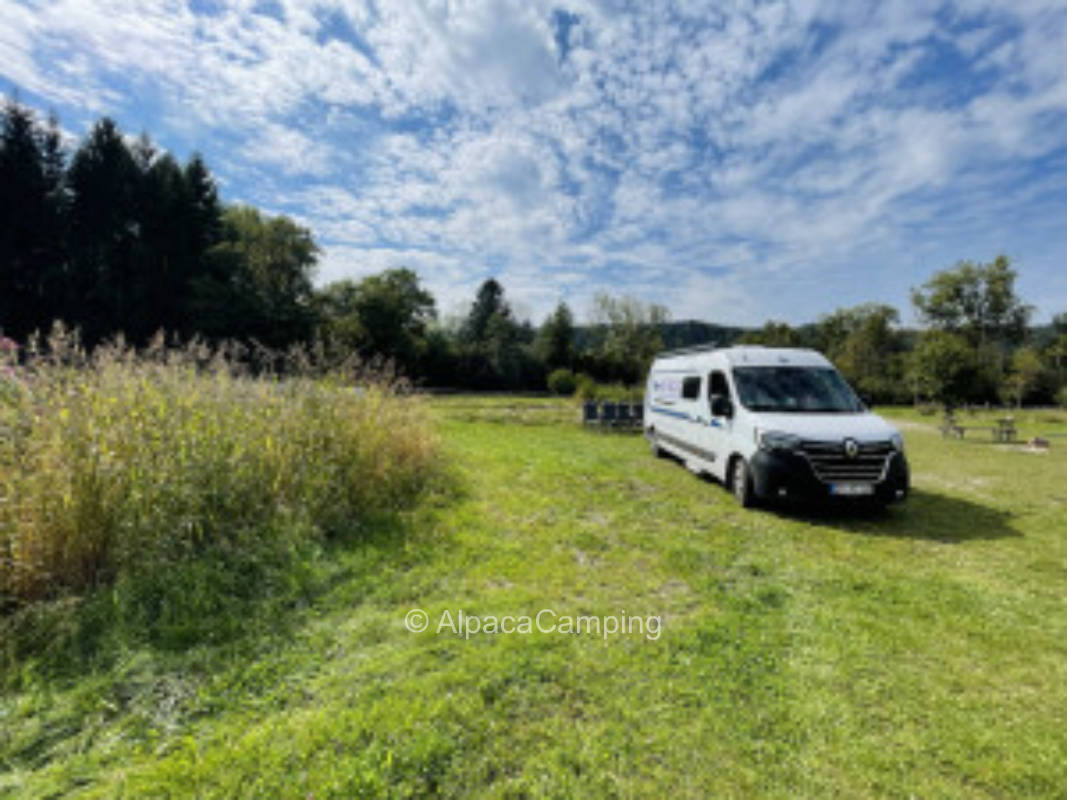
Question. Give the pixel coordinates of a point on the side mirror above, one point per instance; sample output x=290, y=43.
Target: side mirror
x=721, y=406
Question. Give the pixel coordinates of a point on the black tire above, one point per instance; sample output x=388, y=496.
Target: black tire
x=741, y=483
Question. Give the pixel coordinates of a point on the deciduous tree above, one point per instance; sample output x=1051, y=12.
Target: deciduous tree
x=630, y=335
x=865, y=345
x=943, y=367
x=268, y=264
x=382, y=315
x=975, y=300
x=1026, y=370
x=772, y=334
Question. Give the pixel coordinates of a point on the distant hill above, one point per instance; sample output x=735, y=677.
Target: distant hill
x=678, y=333
x=688, y=332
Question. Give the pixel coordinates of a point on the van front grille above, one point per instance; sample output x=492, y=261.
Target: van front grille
x=831, y=463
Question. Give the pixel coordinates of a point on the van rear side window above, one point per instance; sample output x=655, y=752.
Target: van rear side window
x=691, y=388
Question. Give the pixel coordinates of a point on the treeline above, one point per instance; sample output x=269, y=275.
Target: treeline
x=119, y=237
x=976, y=347
x=390, y=316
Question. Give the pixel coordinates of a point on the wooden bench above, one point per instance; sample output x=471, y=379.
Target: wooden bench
x=960, y=431
x=1003, y=431
x=951, y=429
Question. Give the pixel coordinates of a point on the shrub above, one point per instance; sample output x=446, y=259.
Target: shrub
x=588, y=389
x=122, y=463
x=1061, y=397
x=584, y=387
x=561, y=381
x=618, y=393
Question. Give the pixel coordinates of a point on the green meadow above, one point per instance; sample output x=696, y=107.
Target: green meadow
x=919, y=652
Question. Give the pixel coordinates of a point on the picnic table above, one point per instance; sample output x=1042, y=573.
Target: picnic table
x=1003, y=431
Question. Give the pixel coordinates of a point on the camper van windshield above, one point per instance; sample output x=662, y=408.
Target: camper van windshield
x=794, y=389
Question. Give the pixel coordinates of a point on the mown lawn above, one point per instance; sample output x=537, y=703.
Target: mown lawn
x=922, y=652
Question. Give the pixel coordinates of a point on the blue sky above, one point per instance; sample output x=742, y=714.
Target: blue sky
x=735, y=161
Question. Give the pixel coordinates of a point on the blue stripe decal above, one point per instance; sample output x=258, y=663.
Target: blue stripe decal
x=682, y=415
x=671, y=413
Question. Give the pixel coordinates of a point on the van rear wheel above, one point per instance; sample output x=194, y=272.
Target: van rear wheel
x=741, y=483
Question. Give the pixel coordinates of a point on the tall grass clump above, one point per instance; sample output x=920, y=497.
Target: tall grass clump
x=588, y=389
x=122, y=463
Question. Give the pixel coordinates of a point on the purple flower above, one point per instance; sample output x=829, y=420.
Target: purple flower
x=11, y=383
x=9, y=350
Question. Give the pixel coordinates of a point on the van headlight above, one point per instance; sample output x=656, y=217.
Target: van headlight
x=776, y=440
x=898, y=442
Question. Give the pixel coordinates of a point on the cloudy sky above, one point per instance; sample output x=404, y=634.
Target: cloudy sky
x=736, y=161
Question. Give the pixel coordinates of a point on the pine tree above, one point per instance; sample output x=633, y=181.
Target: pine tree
x=22, y=200
x=104, y=234
x=555, y=340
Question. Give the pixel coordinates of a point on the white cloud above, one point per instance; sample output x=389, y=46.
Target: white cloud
x=688, y=152
x=289, y=150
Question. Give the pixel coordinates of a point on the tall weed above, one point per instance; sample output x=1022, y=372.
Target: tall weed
x=121, y=463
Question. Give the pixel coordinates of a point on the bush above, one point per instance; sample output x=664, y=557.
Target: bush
x=588, y=389
x=125, y=464
x=561, y=381
x=1061, y=397
x=619, y=393
x=584, y=387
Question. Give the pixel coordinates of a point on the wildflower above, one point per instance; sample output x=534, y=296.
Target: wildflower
x=9, y=349
x=11, y=384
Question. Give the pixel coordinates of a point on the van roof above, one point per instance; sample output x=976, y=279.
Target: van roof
x=743, y=355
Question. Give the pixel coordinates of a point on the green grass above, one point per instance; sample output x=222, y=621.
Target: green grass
x=1030, y=422
x=922, y=652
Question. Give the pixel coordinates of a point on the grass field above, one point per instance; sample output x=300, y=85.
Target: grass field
x=921, y=652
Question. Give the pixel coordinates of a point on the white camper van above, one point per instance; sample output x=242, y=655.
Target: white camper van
x=772, y=423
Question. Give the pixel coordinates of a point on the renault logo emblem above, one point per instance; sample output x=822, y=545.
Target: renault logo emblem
x=852, y=448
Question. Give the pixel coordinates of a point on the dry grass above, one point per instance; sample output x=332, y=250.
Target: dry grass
x=118, y=460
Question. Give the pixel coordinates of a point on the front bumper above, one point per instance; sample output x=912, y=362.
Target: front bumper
x=783, y=475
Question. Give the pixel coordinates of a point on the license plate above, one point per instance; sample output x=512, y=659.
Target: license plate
x=852, y=489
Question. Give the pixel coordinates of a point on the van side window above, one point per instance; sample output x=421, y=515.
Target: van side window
x=717, y=385
x=691, y=388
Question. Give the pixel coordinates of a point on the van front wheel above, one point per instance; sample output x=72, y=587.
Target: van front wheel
x=741, y=483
